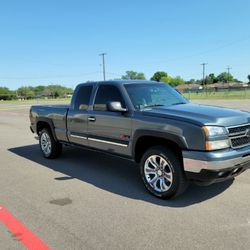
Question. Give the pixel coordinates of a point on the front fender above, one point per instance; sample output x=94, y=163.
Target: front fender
x=179, y=140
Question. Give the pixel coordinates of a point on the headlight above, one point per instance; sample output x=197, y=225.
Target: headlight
x=214, y=131
x=215, y=145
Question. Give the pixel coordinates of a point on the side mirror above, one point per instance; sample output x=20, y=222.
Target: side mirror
x=115, y=107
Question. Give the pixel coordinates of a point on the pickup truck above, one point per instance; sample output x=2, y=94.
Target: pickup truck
x=173, y=141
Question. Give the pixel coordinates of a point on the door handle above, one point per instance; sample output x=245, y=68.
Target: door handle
x=91, y=119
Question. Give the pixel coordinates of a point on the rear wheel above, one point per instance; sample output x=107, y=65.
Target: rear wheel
x=162, y=172
x=49, y=146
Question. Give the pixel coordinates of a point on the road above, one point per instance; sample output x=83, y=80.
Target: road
x=86, y=200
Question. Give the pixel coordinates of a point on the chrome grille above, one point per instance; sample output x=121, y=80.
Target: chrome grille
x=239, y=135
x=241, y=129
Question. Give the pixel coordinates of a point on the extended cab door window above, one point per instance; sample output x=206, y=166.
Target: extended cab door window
x=77, y=118
x=105, y=94
x=83, y=98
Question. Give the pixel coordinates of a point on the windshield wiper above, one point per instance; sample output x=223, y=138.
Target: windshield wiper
x=153, y=105
x=178, y=103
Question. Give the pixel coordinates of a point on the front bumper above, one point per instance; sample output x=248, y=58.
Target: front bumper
x=215, y=166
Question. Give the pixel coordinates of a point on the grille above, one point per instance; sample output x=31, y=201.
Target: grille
x=241, y=141
x=238, y=136
x=241, y=129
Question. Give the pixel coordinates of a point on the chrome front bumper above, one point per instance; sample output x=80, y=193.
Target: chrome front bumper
x=195, y=161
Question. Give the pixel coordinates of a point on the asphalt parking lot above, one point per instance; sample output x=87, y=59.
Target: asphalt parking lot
x=85, y=200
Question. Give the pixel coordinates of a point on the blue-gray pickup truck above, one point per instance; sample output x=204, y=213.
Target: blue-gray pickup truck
x=173, y=141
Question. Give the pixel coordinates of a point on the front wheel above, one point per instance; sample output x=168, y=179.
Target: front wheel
x=48, y=145
x=162, y=172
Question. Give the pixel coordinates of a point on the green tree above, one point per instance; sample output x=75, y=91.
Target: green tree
x=191, y=81
x=30, y=92
x=173, y=81
x=167, y=79
x=39, y=89
x=158, y=75
x=26, y=92
x=177, y=81
x=211, y=79
x=225, y=77
x=133, y=75
x=248, y=78
x=52, y=91
x=6, y=94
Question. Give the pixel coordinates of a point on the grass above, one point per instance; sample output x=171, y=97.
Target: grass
x=228, y=94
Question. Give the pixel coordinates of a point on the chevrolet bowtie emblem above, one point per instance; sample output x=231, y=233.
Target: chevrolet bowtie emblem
x=248, y=133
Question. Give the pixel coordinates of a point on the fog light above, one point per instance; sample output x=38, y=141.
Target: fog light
x=221, y=173
x=235, y=170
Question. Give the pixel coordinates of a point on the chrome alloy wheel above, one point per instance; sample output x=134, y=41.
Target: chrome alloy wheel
x=46, y=143
x=159, y=173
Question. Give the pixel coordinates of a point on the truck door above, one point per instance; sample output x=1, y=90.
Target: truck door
x=109, y=131
x=77, y=120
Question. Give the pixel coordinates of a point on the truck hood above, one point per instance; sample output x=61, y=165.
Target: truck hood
x=201, y=114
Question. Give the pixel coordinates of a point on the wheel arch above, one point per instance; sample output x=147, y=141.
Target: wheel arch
x=45, y=123
x=144, y=140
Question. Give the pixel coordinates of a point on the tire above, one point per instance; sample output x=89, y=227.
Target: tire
x=162, y=172
x=49, y=146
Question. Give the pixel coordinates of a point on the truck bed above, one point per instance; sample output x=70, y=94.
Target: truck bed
x=57, y=114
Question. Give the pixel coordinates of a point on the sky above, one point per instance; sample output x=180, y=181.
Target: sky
x=59, y=42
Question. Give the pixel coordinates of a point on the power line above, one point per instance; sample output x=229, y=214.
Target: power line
x=114, y=74
x=103, y=65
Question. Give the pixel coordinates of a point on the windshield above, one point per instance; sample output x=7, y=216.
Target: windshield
x=153, y=95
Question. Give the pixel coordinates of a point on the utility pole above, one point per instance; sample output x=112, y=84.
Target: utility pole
x=203, y=74
x=103, y=65
x=228, y=73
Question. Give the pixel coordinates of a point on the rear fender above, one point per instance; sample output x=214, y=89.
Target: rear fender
x=50, y=124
